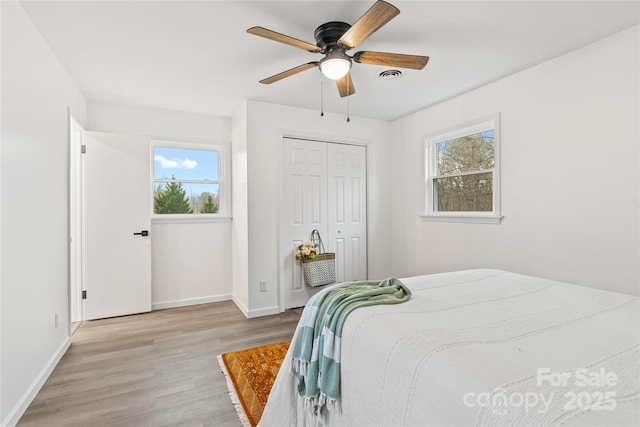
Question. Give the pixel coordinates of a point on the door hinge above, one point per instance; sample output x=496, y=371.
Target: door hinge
x=83, y=149
x=84, y=294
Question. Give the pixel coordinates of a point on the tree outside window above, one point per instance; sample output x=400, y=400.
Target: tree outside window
x=186, y=181
x=464, y=176
x=462, y=172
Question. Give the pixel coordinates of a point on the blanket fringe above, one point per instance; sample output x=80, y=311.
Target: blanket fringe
x=299, y=366
x=317, y=409
x=242, y=416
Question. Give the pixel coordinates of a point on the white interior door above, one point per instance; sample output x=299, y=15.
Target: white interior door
x=304, y=209
x=117, y=197
x=347, y=212
x=324, y=188
x=76, y=136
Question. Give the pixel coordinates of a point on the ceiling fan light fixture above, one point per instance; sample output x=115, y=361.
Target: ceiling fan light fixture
x=335, y=38
x=335, y=65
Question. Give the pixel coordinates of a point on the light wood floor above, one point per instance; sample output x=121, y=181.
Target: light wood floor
x=153, y=369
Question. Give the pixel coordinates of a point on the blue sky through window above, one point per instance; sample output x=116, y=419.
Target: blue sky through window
x=185, y=164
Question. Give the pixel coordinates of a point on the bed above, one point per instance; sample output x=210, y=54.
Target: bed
x=483, y=347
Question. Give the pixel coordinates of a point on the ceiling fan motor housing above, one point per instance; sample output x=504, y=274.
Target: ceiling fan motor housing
x=328, y=34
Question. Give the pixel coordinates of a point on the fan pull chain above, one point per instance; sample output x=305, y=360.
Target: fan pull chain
x=321, y=95
x=348, y=96
x=348, y=118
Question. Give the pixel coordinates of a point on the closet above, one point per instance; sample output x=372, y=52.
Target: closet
x=324, y=187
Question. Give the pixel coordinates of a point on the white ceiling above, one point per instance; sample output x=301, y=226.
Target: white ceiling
x=195, y=56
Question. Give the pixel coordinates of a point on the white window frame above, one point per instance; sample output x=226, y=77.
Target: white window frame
x=430, y=168
x=224, y=181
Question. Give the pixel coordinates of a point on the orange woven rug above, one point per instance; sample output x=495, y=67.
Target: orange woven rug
x=250, y=375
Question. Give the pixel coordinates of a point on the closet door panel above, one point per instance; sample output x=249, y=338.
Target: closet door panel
x=347, y=206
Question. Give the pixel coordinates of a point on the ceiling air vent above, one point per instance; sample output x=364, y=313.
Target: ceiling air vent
x=390, y=74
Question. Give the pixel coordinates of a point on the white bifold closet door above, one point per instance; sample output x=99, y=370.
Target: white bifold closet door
x=324, y=188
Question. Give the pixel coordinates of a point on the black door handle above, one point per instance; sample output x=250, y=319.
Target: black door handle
x=142, y=233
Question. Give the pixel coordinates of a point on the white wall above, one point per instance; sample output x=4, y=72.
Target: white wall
x=190, y=261
x=570, y=173
x=266, y=124
x=36, y=91
x=240, y=225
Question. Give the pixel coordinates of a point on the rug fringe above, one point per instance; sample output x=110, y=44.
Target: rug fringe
x=242, y=416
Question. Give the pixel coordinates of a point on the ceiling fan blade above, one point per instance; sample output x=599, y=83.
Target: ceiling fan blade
x=289, y=73
x=374, y=18
x=272, y=35
x=345, y=86
x=391, y=59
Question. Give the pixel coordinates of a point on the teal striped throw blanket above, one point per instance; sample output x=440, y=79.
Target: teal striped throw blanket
x=316, y=346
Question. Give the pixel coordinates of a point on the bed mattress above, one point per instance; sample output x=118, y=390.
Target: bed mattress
x=483, y=347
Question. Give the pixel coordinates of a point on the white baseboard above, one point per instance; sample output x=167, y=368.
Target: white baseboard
x=249, y=314
x=189, y=301
x=267, y=311
x=26, y=399
x=240, y=306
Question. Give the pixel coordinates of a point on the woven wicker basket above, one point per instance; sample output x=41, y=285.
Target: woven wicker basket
x=321, y=270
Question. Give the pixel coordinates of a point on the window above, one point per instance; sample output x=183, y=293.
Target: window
x=462, y=173
x=187, y=179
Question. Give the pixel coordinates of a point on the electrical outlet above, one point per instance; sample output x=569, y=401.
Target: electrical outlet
x=56, y=320
x=263, y=286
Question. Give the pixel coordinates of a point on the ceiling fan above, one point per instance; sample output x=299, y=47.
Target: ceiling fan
x=335, y=38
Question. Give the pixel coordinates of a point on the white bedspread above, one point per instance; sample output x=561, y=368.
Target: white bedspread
x=484, y=347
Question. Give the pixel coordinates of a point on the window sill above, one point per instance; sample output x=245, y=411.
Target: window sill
x=474, y=219
x=189, y=219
